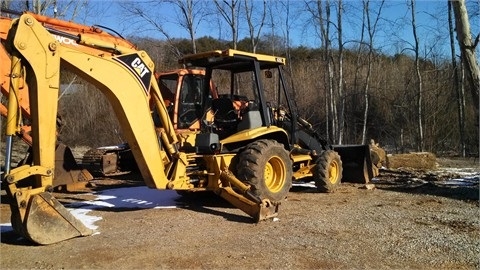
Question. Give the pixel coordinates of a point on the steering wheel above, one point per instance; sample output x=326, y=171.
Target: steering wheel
x=184, y=115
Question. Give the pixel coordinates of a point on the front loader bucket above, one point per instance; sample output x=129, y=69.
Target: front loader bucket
x=357, y=163
x=46, y=221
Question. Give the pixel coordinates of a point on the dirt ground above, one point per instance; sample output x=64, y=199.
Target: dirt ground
x=409, y=220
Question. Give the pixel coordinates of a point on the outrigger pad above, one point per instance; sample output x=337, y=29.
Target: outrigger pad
x=47, y=221
x=267, y=210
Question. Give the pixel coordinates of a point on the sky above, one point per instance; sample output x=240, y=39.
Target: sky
x=394, y=33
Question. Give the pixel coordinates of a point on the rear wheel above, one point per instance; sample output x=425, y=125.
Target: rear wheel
x=266, y=166
x=327, y=172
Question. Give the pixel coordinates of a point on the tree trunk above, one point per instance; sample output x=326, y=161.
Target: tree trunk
x=467, y=48
x=456, y=84
x=341, y=95
x=420, y=143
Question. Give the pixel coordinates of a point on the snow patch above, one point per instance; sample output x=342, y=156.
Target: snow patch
x=124, y=198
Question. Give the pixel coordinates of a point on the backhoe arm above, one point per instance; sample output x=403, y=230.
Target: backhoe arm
x=126, y=80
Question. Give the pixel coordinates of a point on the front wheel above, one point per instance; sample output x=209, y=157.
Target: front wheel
x=327, y=172
x=266, y=166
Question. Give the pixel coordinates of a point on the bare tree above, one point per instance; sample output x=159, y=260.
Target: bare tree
x=341, y=117
x=140, y=13
x=456, y=84
x=230, y=11
x=66, y=10
x=249, y=12
x=416, y=48
x=287, y=23
x=189, y=14
x=467, y=47
x=371, y=30
x=321, y=16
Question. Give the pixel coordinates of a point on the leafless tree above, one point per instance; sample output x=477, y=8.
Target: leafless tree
x=418, y=74
x=467, y=47
x=189, y=14
x=341, y=116
x=189, y=17
x=254, y=31
x=321, y=15
x=66, y=10
x=371, y=30
x=459, y=90
x=230, y=11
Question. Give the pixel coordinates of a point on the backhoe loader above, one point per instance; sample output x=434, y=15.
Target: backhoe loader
x=166, y=160
x=176, y=88
x=247, y=154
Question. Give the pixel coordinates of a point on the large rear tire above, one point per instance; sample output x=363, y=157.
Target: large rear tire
x=327, y=172
x=266, y=166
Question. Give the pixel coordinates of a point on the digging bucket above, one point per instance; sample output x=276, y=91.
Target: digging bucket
x=46, y=221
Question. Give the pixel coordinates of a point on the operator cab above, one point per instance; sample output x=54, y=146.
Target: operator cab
x=186, y=87
x=251, y=92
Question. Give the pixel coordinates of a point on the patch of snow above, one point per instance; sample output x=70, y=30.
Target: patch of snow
x=126, y=198
x=304, y=184
x=131, y=198
x=87, y=220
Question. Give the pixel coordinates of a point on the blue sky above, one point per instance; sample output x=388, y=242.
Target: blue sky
x=394, y=34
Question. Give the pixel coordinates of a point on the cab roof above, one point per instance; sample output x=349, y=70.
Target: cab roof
x=233, y=60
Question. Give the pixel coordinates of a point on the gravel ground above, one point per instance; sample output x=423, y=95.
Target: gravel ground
x=410, y=220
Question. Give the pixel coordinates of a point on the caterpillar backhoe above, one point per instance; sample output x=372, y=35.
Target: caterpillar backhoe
x=176, y=88
x=247, y=149
x=190, y=162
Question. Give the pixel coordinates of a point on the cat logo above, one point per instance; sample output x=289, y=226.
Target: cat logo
x=136, y=65
x=140, y=67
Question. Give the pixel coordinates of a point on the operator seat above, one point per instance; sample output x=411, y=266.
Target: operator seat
x=225, y=114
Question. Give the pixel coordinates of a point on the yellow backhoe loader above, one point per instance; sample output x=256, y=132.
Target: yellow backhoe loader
x=248, y=154
x=196, y=161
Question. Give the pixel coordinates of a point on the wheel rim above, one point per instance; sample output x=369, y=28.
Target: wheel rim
x=333, y=172
x=274, y=174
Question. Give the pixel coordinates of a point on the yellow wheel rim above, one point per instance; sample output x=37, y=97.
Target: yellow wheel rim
x=333, y=172
x=274, y=174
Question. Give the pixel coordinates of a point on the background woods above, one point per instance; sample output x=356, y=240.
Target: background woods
x=358, y=73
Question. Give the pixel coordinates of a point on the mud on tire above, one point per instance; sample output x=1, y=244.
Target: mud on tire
x=327, y=172
x=266, y=166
